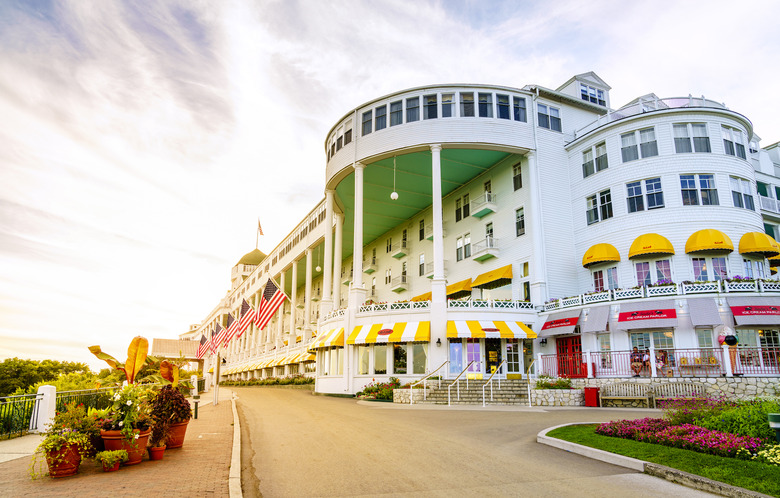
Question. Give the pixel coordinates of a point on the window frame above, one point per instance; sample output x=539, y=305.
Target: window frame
x=520, y=221
x=368, y=123
x=397, y=113
x=549, y=117
x=742, y=198
x=467, y=107
x=430, y=108
x=412, y=109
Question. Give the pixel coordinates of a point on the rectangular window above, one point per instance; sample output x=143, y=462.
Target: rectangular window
x=612, y=277
x=380, y=359
x=643, y=274
x=719, y=268
x=348, y=135
x=593, y=95
x=466, y=105
x=605, y=204
x=742, y=193
x=467, y=246
x=517, y=177
x=466, y=206
x=459, y=249
x=598, y=281
x=549, y=117
x=458, y=210
x=380, y=118
x=655, y=196
x=704, y=338
x=412, y=109
x=604, y=350
x=446, y=105
x=363, y=355
x=503, y=106
x=701, y=141
x=389, y=245
x=519, y=222
x=422, y=264
x=396, y=113
x=367, y=116
x=647, y=143
x=339, y=143
x=709, y=194
x=399, y=359
x=629, y=150
x=518, y=105
x=663, y=270
x=422, y=229
x=485, y=105
x=748, y=265
x=419, y=358
x=682, y=141
x=634, y=197
x=588, y=166
x=601, y=157
x=592, y=210
x=431, y=107
x=733, y=143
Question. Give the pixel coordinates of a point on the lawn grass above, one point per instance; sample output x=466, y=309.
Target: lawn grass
x=746, y=474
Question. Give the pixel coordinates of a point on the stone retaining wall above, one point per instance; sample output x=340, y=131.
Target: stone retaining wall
x=402, y=395
x=557, y=397
x=730, y=387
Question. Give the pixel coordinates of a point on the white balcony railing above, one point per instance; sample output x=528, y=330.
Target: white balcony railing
x=769, y=204
x=399, y=249
x=484, y=249
x=477, y=304
x=483, y=205
x=399, y=283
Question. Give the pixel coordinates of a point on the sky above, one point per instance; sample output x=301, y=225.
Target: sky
x=140, y=141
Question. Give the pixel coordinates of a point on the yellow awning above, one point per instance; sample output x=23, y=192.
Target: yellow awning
x=211, y=370
x=390, y=332
x=494, y=278
x=490, y=329
x=758, y=243
x=600, y=253
x=423, y=297
x=708, y=240
x=307, y=357
x=329, y=338
x=459, y=289
x=650, y=243
x=773, y=270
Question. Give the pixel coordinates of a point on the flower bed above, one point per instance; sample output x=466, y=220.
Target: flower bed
x=381, y=390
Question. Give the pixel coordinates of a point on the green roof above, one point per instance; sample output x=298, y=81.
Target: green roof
x=253, y=257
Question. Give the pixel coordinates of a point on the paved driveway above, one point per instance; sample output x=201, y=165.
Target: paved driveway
x=298, y=444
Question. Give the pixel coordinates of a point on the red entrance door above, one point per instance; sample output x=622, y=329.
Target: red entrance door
x=569, y=354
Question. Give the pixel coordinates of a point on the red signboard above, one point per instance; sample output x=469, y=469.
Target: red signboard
x=755, y=310
x=561, y=322
x=385, y=332
x=630, y=316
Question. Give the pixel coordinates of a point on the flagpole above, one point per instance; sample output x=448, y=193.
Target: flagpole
x=216, y=381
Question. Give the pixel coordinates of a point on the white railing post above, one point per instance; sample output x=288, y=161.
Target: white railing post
x=727, y=361
x=46, y=408
x=541, y=365
x=653, y=370
x=589, y=365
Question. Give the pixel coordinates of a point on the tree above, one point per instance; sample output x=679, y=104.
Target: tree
x=16, y=373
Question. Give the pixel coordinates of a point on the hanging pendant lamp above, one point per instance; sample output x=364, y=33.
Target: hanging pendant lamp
x=394, y=194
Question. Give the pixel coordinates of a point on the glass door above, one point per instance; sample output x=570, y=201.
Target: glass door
x=492, y=354
x=474, y=354
x=513, y=366
x=456, y=357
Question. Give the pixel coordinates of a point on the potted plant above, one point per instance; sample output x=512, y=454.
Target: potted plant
x=127, y=426
x=63, y=449
x=77, y=418
x=171, y=407
x=161, y=431
x=110, y=459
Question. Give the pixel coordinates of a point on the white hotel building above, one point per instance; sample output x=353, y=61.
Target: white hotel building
x=523, y=231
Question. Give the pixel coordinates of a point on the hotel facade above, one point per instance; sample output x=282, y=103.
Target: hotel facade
x=483, y=230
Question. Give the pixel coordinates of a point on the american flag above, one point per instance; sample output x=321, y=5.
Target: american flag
x=202, y=347
x=272, y=298
x=259, y=228
x=247, y=314
x=214, y=336
x=222, y=334
x=232, y=328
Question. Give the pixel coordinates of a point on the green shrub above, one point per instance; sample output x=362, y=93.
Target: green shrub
x=689, y=410
x=744, y=418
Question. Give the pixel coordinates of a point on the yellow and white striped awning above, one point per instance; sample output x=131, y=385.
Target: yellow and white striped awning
x=491, y=329
x=329, y=338
x=307, y=357
x=391, y=332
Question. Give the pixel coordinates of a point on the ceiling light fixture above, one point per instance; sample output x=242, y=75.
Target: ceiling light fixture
x=394, y=194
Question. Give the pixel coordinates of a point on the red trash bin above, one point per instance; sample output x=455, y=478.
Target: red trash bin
x=591, y=396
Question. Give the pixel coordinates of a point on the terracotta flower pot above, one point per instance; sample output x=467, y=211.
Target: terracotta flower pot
x=176, y=438
x=111, y=468
x=64, y=462
x=114, y=440
x=156, y=452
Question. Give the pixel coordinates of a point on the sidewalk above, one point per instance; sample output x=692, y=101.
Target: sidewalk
x=200, y=468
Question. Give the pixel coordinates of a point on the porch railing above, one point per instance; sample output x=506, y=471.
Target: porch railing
x=456, y=383
x=673, y=362
x=424, y=383
x=490, y=382
x=18, y=414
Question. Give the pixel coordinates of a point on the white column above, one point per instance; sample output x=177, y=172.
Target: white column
x=538, y=262
x=337, y=261
x=280, y=313
x=438, y=283
x=327, y=268
x=293, y=303
x=357, y=240
x=47, y=408
x=307, y=297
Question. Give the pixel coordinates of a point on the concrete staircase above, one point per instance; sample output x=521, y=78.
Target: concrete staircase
x=512, y=392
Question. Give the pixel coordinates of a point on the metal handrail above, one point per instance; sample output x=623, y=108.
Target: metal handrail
x=457, y=381
x=423, y=380
x=528, y=383
x=490, y=381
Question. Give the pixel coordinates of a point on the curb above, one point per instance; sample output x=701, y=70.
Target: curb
x=673, y=475
x=234, y=478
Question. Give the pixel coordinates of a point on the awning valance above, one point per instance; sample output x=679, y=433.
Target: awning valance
x=423, y=297
x=704, y=312
x=329, y=338
x=307, y=357
x=596, y=319
x=600, y=253
x=650, y=244
x=755, y=310
x=560, y=323
x=708, y=240
x=494, y=278
x=491, y=329
x=647, y=315
x=379, y=333
x=758, y=243
x=459, y=289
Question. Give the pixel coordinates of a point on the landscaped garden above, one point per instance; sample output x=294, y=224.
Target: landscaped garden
x=725, y=440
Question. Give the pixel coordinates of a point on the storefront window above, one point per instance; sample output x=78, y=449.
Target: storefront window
x=419, y=357
x=380, y=359
x=399, y=358
x=363, y=360
x=336, y=367
x=323, y=358
x=513, y=356
x=456, y=356
x=473, y=353
x=605, y=347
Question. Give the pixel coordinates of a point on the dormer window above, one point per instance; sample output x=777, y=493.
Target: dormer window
x=593, y=95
